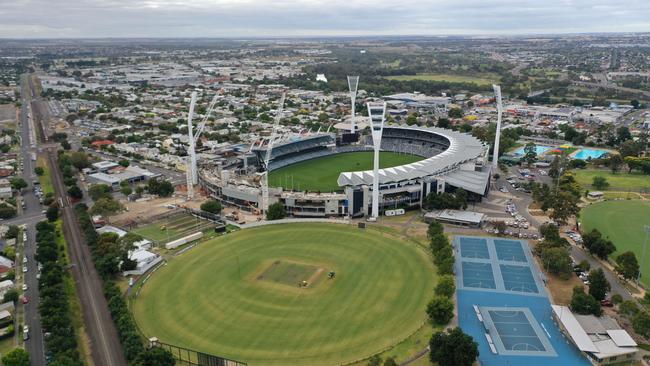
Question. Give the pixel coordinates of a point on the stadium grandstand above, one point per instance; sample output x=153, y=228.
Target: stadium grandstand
x=451, y=160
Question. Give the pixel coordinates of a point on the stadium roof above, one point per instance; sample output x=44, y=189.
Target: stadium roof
x=462, y=148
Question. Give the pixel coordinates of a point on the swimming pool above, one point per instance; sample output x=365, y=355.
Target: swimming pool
x=539, y=150
x=586, y=154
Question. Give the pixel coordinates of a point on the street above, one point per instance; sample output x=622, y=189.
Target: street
x=30, y=216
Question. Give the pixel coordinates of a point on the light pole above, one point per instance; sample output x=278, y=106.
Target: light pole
x=353, y=83
x=376, y=112
x=646, y=228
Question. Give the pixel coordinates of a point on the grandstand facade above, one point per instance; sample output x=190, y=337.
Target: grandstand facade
x=451, y=160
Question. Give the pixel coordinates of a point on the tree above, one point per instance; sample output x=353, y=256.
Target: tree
x=598, y=284
x=211, y=206
x=617, y=299
x=615, y=162
x=434, y=228
x=455, y=113
x=16, y=357
x=453, y=348
x=79, y=160
x=628, y=266
x=565, y=205
x=635, y=104
x=440, y=310
x=12, y=232
x=583, y=303
x=557, y=260
x=106, y=206
x=39, y=171
x=530, y=153
x=18, y=183
x=600, y=182
x=155, y=356
x=126, y=190
x=390, y=361
x=445, y=286
x=641, y=323
x=437, y=242
x=123, y=162
x=375, y=360
x=162, y=188
x=75, y=192
x=276, y=211
x=10, y=296
x=52, y=213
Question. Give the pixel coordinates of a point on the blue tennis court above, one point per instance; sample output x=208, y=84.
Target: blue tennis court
x=509, y=250
x=474, y=248
x=515, y=331
x=518, y=278
x=478, y=275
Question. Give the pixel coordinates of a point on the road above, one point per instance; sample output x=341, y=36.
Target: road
x=106, y=349
x=30, y=216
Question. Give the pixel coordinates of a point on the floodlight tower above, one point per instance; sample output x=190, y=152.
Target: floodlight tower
x=267, y=156
x=190, y=161
x=497, y=96
x=353, y=83
x=376, y=112
x=193, y=138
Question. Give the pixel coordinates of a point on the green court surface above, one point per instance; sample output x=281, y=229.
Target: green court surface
x=238, y=296
x=622, y=222
x=621, y=181
x=321, y=174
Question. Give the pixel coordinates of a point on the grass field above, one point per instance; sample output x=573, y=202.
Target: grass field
x=216, y=298
x=622, y=222
x=321, y=174
x=480, y=80
x=621, y=181
x=172, y=228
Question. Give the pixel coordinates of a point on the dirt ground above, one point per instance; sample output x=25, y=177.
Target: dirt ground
x=142, y=211
x=561, y=290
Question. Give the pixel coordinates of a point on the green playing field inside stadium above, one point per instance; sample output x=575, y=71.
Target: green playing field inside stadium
x=321, y=174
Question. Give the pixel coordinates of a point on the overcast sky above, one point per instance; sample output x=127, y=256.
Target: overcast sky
x=241, y=18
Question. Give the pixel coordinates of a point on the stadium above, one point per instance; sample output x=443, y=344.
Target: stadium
x=420, y=160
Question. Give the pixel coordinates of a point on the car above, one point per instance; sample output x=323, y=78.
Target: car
x=25, y=329
x=24, y=260
x=25, y=336
x=606, y=302
x=24, y=300
x=25, y=287
x=38, y=276
x=25, y=269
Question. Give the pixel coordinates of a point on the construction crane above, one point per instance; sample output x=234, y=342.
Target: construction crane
x=267, y=157
x=192, y=175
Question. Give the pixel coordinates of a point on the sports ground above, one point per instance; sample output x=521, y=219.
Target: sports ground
x=321, y=174
x=622, y=222
x=503, y=305
x=238, y=296
x=173, y=227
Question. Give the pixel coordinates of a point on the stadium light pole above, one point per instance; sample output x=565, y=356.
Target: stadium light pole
x=377, y=113
x=497, y=96
x=353, y=83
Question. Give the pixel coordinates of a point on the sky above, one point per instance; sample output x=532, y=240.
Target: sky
x=279, y=18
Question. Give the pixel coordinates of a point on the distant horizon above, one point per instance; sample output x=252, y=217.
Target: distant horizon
x=61, y=19
x=342, y=36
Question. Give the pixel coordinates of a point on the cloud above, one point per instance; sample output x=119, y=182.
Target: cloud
x=237, y=18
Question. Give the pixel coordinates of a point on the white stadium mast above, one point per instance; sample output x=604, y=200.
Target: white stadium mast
x=353, y=83
x=267, y=157
x=497, y=96
x=192, y=170
x=377, y=113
